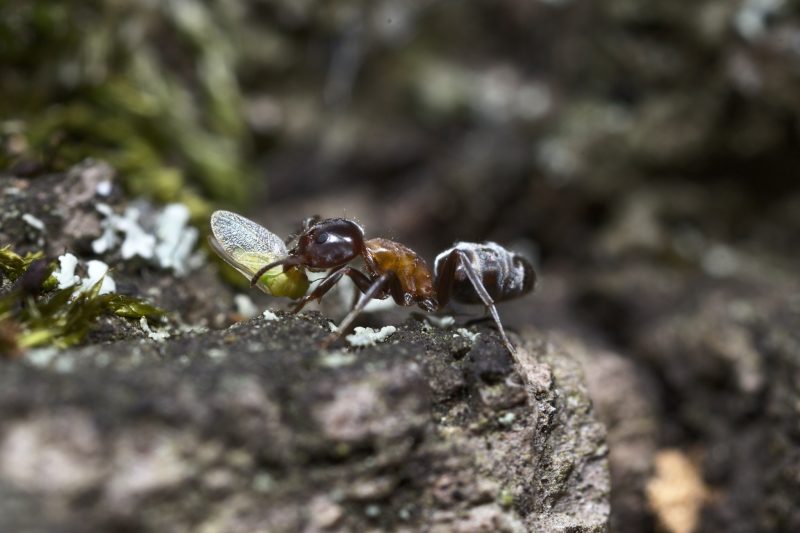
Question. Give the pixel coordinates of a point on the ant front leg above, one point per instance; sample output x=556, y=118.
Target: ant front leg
x=358, y=277
x=447, y=279
x=377, y=287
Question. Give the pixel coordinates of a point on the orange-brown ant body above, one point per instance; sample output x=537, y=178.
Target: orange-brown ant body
x=468, y=272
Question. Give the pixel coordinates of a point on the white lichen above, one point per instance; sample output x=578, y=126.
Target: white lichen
x=216, y=353
x=64, y=364
x=752, y=19
x=137, y=240
x=337, y=359
x=176, y=238
x=507, y=419
x=97, y=271
x=153, y=334
x=41, y=357
x=108, y=239
x=104, y=188
x=65, y=274
x=269, y=315
x=441, y=321
x=368, y=336
x=33, y=221
x=170, y=244
x=245, y=306
x=464, y=332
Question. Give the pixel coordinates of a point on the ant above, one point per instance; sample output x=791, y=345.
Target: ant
x=468, y=272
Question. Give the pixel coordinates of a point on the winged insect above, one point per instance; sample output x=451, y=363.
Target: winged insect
x=247, y=246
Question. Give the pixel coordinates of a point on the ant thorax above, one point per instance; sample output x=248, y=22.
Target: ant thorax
x=411, y=270
x=505, y=274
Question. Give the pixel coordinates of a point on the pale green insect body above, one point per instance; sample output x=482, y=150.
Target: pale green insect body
x=248, y=246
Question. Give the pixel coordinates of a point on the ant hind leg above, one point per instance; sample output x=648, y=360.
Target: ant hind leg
x=483, y=294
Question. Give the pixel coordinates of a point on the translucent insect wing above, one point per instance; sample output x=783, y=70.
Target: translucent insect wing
x=247, y=247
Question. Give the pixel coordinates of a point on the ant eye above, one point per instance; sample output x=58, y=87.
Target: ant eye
x=322, y=238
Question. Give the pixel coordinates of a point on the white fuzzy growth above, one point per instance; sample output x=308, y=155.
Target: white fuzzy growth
x=105, y=242
x=41, y=357
x=464, y=332
x=507, y=419
x=108, y=240
x=176, y=239
x=137, y=240
x=65, y=274
x=245, y=306
x=752, y=19
x=269, y=315
x=368, y=336
x=155, y=335
x=170, y=247
x=96, y=271
x=33, y=221
x=441, y=322
x=103, y=188
x=337, y=359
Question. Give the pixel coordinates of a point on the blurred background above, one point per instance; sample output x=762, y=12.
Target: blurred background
x=644, y=153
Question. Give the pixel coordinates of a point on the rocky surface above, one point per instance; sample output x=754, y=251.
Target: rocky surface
x=254, y=428
x=724, y=358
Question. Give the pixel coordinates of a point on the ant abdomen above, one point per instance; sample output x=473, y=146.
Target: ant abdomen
x=504, y=275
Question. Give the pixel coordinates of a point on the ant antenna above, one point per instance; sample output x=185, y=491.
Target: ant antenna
x=286, y=261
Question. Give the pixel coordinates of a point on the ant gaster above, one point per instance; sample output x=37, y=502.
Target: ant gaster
x=468, y=272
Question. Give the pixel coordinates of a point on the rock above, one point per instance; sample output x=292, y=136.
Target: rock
x=721, y=360
x=239, y=429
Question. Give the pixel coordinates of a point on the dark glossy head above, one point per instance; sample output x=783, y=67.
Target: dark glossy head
x=329, y=243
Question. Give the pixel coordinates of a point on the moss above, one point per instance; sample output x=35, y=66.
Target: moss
x=13, y=265
x=34, y=313
x=171, y=124
x=505, y=498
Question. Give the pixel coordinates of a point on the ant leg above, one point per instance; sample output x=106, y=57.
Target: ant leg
x=358, y=277
x=378, y=285
x=445, y=283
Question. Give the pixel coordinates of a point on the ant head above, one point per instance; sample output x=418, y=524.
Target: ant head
x=329, y=243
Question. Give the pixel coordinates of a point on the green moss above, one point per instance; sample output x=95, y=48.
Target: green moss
x=169, y=123
x=57, y=317
x=505, y=498
x=13, y=265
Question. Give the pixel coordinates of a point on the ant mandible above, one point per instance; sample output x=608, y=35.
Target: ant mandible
x=468, y=272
